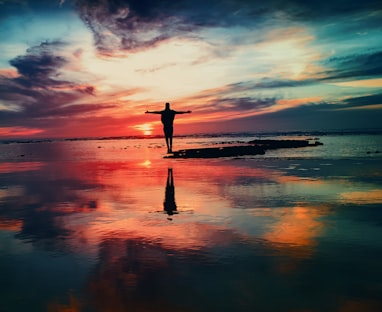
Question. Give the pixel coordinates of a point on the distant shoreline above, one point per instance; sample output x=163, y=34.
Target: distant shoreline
x=212, y=135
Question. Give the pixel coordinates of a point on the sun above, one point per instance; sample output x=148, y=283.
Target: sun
x=146, y=128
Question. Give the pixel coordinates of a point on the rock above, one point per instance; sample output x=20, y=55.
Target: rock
x=215, y=152
x=255, y=147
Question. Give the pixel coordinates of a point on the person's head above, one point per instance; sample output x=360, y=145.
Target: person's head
x=167, y=105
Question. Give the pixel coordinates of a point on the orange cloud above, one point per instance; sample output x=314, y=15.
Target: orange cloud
x=18, y=131
x=365, y=83
x=290, y=103
x=9, y=72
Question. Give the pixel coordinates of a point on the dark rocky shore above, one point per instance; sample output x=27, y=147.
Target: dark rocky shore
x=254, y=147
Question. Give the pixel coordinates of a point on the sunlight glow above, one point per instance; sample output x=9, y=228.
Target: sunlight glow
x=146, y=163
x=288, y=50
x=146, y=128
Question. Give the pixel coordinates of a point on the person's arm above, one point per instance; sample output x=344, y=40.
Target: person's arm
x=153, y=112
x=183, y=112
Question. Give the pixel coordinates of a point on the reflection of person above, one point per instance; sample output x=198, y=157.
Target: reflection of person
x=169, y=204
x=168, y=116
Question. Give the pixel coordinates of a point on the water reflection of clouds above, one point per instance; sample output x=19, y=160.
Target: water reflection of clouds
x=113, y=211
x=111, y=200
x=10, y=225
x=11, y=167
x=112, y=196
x=297, y=228
x=372, y=196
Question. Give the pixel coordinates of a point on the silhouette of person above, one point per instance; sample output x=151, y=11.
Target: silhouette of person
x=167, y=118
x=169, y=204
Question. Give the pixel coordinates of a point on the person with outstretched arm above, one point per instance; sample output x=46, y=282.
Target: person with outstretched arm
x=167, y=118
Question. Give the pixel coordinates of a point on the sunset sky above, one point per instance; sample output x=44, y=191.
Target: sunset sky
x=87, y=68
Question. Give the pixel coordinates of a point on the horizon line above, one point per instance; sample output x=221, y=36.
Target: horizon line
x=220, y=134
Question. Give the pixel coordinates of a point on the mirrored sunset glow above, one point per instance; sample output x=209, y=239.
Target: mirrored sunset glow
x=90, y=69
x=99, y=213
x=98, y=225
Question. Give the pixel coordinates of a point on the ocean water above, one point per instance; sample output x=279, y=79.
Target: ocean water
x=111, y=225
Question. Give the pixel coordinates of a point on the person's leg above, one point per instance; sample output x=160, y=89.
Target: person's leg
x=171, y=130
x=168, y=133
x=168, y=144
x=166, y=136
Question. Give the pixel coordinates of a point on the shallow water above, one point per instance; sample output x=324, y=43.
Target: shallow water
x=112, y=226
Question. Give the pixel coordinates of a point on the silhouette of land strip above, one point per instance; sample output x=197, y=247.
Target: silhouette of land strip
x=254, y=147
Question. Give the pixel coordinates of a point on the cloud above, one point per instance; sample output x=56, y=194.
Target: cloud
x=134, y=25
x=320, y=116
x=308, y=10
x=138, y=24
x=271, y=83
x=361, y=65
x=364, y=101
x=238, y=105
x=269, y=114
x=227, y=59
x=39, y=67
x=36, y=98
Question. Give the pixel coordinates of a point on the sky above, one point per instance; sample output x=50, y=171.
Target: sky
x=90, y=68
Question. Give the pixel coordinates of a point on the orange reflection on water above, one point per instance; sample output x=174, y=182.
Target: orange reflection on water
x=360, y=306
x=296, y=179
x=174, y=236
x=296, y=227
x=362, y=197
x=10, y=167
x=11, y=225
x=73, y=305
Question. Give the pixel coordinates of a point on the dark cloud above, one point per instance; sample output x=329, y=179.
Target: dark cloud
x=354, y=66
x=33, y=106
x=37, y=97
x=39, y=66
x=224, y=102
x=136, y=24
x=269, y=83
x=42, y=65
x=132, y=25
x=350, y=113
x=312, y=117
x=243, y=104
x=364, y=101
x=327, y=116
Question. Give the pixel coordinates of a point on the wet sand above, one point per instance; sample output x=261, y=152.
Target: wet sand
x=114, y=226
